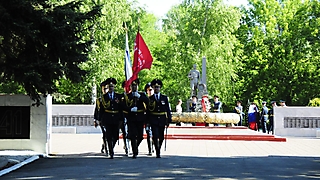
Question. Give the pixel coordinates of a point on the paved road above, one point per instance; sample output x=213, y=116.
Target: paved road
x=77, y=157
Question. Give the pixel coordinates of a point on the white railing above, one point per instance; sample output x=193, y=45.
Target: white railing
x=72, y=120
x=301, y=122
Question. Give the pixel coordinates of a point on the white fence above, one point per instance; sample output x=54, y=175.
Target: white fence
x=297, y=121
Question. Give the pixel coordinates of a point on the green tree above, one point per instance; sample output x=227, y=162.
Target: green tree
x=279, y=60
x=107, y=51
x=203, y=28
x=42, y=42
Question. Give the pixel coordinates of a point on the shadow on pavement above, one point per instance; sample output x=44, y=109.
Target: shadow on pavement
x=96, y=166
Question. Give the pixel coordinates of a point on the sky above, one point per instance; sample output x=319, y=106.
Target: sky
x=161, y=7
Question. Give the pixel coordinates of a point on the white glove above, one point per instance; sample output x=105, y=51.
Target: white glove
x=134, y=109
x=136, y=94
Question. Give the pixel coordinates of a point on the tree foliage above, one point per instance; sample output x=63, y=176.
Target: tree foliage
x=266, y=51
x=43, y=42
x=280, y=59
x=203, y=28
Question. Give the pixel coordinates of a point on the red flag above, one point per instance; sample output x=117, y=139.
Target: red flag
x=142, y=59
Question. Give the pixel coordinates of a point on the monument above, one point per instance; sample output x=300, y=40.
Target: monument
x=201, y=113
x=198, y=88
x=194, y=76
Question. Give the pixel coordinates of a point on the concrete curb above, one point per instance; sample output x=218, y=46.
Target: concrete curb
x=12, y=168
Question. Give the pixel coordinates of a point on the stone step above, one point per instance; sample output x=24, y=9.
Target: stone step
x=239, y=133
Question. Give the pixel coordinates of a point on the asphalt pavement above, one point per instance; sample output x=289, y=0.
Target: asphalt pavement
x=77, y=156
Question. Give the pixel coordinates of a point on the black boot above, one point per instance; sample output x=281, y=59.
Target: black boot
x=157, y=146
x=102, y=148
x=103, y=145
x=106, y=149
x=110, y=146
x=134, y=145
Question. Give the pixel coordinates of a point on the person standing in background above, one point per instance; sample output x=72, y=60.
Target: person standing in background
x=179, y=110
x=216, y=106
x=193, y=106
x=239, y=110
x=271, y=116
x=252, y=116
x=283, y=103
x=264, y=117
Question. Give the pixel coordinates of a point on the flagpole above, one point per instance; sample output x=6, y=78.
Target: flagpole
x=127, y=59
x=138, y=43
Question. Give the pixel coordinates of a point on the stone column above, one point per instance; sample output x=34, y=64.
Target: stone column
x=204, y=71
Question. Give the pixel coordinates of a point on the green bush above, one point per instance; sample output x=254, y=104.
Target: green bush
x=314, y=102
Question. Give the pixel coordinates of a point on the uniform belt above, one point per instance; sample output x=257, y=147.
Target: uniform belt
x=271, y=115
x=109, y=111
x=158, y=113
x=138, y=111
x=265, y=115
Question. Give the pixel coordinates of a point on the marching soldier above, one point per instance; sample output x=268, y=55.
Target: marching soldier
x=149, y=92
x=160, y=115
x=97, y=121
x=135, y=106
x=111, y=114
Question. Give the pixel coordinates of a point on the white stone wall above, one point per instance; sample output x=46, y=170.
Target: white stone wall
x=297, y=121
x=40, y=118
x=72, y=109
x=73, y=118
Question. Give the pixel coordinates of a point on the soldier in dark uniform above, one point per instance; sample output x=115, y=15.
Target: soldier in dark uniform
x=135, y=106
x=271, y=116
x=264, y=117
x=149, y=92
x=111, y=114
x=159, y=115
x=97, y=121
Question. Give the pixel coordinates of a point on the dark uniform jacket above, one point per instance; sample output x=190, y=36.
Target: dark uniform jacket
x=193, y=106
x=217, y=107
x=159, y=110
x=129, y=102
x=111, y=109
x=270, y=113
